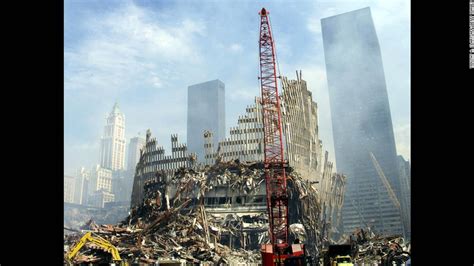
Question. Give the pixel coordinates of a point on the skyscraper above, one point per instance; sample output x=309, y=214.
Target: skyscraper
x=81, y=187
x=134, y=147
x=206, y=111
x=361, y=121
x=69, y=187
x=112, y=146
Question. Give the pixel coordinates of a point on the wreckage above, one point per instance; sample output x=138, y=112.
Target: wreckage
x=182, y=208
x=304, y=152
x=186, y=217
x=370, y=248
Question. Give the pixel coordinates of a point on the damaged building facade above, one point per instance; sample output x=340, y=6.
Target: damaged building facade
x=303, y=148
x=153, y=159
x=235, y=188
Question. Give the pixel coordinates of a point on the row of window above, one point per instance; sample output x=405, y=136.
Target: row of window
x=239, y=142
x=237, y=153
x=248, y=130
x=167, y=164
x=247, y=120
x=238, y=200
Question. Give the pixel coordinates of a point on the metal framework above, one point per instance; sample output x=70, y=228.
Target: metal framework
x=275, y=176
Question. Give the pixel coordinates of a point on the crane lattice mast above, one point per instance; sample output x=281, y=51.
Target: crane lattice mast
x=275, y=176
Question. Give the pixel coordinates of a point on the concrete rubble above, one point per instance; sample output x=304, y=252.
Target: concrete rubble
x=369, y=248
x=173, y=223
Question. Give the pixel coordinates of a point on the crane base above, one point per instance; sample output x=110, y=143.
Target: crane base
x=294, y=255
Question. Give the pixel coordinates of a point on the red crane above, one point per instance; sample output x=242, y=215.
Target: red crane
x=276, y=187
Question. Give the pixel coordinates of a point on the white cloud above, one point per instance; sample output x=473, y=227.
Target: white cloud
x=384, y=13
x=126, y=48
x=314, y=25
x=156, y=81
x=194, y=26
x=244, y=94
x=126, y=52
x=235, y=47
x=390, y=13
x=314, y=22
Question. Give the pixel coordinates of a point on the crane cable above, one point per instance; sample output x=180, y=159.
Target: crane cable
x=275, y=53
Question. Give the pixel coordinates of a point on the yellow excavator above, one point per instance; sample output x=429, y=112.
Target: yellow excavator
x=98, y=241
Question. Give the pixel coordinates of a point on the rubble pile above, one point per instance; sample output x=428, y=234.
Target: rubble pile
x=238, y=176
x=305, y=209
x=383, y=250
x=169, y=235
x=173, y=223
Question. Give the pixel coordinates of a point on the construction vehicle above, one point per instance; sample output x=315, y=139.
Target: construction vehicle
x=338, y=255
x=278, y=251
x=99, y=241
x=342, y=261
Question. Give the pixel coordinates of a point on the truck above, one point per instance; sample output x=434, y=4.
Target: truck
x=338, y=255
x=344, y=260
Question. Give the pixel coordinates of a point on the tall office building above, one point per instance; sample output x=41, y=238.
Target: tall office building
x=361, y=121
x=112, y=146
x=81, y=187
x=101, y=179
x=69, y=187
x=206, y=111
x=134, y=147
x=100, y=188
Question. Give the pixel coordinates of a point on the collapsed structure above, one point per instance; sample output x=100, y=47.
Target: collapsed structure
x=303, y=148
x=241, y=195
x=153, y=159
x=370, y=248
x=183, y=217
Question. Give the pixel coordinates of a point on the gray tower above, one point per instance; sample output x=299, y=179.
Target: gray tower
x=134, y=147
x=361, y=121
x=206, y=111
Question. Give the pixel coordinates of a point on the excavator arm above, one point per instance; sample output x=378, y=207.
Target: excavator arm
x=98, y=241
x=78, y=246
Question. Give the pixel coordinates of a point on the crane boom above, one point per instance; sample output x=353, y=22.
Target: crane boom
x=275, y=176
x=384, y=179
x=279, y=250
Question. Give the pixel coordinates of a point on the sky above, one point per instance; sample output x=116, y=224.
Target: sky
x=144, y=54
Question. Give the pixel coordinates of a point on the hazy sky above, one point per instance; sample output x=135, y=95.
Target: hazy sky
x=144, y=55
